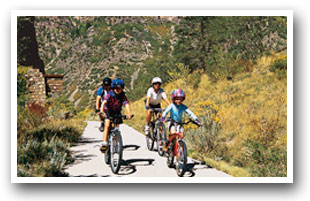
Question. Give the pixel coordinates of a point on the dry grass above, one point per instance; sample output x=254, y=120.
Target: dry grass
x=252, y=112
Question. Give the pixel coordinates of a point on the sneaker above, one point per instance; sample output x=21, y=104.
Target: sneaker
x=104, y=147
x=101, y=128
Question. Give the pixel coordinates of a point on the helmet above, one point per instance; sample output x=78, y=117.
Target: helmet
x=178, y=93
x=156, y=79
x=118, y=83
x=107, y=81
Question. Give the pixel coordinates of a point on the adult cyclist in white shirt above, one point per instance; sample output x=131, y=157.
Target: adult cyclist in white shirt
x=153, y=98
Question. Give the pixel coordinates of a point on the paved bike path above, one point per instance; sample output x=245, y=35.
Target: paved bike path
x=138, y=161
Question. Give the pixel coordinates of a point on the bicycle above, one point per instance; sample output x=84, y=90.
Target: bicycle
x=157, y=132
x=114, y=153
x=177, y=148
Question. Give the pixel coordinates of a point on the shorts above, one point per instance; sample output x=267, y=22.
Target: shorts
x=176, y=126
x=153, y=106
x=111, y=114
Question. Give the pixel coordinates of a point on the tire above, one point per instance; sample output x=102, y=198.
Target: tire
x=170, y=157
x=116, y=151
x=161, y=136
x=150, y=139
x=181, y=158
x=107, y=157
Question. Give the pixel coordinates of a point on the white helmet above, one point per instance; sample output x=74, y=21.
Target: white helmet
x=156, y=79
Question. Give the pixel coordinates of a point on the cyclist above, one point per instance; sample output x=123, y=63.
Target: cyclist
x=153, y=98
x=101, y=92
x=176, y=110
x=112, y=105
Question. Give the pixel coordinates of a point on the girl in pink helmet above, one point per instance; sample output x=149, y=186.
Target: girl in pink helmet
x=176, y=110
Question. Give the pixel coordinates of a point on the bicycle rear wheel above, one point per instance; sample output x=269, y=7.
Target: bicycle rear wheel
x=161, y=136
x=181, y=158
x=116, y=151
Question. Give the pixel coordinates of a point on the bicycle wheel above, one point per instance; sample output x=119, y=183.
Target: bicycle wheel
x=181, y=158
x=107, y=157
x=116, y=151
x=161, y=136
x=150, y=139
x=170, y=157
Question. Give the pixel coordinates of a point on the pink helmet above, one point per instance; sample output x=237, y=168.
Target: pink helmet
x=178, y=93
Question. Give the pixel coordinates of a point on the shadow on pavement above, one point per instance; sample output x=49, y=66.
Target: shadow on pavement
x=79, y=157
x=130, y=147
x=129, y=166
x=87, y=141
x=192, y=167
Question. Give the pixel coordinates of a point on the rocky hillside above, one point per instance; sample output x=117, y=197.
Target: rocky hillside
x=86, y=49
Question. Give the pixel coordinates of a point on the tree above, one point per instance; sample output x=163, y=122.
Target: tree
x=205, y=41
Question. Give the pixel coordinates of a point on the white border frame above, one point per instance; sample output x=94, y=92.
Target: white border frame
x=16, y=13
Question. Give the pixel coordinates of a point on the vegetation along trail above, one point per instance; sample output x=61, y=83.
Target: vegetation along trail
x=137, y=160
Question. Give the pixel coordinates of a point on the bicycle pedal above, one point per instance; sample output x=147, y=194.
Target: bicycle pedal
x=103, y=149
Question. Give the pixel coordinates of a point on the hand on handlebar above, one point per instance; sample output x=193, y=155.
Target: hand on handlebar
x=197, y=122
x=163, y=119
x=103, y=114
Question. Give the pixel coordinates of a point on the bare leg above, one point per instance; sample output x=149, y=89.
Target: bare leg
x=148, y=116
x=106, y=129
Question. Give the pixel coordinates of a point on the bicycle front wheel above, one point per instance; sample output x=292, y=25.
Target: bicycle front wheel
x=181, y=158
x=150, y=140
x=107, y=157
x=116, y=151
x=161, y=136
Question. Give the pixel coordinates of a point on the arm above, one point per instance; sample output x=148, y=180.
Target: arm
x=102, y=106
x=98, y=99
x=148, y=99
x=164, y=96
x=147, y=104
x=128, y=108
x=167, y=111
x=192, y=115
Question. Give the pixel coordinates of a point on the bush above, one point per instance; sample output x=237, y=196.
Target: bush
x=264, y=161
x=44, y=151
x=280, y=67
x=206, y=139
x=279, y=64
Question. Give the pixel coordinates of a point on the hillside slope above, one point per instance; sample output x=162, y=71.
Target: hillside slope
x=247, y=123
x=86, y=49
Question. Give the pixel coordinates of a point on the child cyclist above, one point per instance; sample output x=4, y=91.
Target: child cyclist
x=112, y=105
x=176, y=110
x=101, y=92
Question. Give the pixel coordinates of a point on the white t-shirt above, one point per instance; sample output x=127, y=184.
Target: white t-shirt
x=156, y=97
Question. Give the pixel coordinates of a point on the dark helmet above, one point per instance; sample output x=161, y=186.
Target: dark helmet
x=107, y=81
x=118, y=83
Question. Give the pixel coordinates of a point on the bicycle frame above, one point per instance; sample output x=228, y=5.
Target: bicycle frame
x=174, y=138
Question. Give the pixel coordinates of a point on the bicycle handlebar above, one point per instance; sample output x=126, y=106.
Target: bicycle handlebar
x=124, y=117
x=183, y=123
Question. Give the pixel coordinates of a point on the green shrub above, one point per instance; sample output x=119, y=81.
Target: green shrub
x=264, y=161
x=206, y=139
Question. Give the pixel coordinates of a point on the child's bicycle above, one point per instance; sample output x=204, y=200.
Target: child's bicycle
x=177, y=149
x=157, y=132
x=114, y=153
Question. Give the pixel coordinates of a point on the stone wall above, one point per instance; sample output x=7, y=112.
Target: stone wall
x=36, y=86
